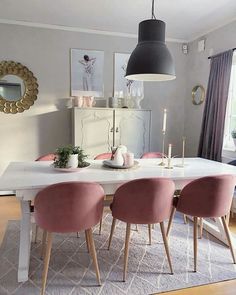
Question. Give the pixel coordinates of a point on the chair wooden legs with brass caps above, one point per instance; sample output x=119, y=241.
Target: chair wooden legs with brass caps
x=150, y=233
x=46, y=261
x=48, y=247
x=93, y=254
x=112, y=232
x=166, y=246
x=195, y=232
x=172, y=214
x=126, y=249
x=227, y=233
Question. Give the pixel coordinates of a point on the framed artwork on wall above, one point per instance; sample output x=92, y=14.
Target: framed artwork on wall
x=87, y=72
x=122, y=86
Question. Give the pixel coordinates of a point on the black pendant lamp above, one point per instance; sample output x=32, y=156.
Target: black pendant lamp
x=151, y=59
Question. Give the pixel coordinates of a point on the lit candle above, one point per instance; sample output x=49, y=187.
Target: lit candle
x=164, y=121
x=169, y=150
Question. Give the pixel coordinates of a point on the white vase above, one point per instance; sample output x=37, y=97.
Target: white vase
x=118, y=158
x=72, y=161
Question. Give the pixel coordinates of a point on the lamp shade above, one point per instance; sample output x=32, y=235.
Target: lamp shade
x=151, y=59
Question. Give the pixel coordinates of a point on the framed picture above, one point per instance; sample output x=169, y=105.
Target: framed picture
x=122, y=86
x=87, y=72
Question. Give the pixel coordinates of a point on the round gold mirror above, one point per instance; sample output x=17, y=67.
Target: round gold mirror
x=18, y=87
x=198, y=94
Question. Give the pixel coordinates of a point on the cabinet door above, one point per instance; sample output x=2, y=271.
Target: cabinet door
x=92, y=130
x=133, y=130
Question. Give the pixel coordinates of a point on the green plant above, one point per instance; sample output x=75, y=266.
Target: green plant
x=63, y=154
x=233, y=133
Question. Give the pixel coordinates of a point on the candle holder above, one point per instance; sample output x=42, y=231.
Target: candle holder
x=169, y=164
x=162, y=163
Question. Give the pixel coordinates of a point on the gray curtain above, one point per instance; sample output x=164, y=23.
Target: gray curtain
x=212, y=131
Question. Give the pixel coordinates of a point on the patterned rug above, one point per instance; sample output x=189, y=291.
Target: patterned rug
x=72, y=273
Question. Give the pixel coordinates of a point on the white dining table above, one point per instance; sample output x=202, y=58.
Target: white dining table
x=26, y=179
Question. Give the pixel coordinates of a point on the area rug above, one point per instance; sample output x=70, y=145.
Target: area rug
x=72, y=273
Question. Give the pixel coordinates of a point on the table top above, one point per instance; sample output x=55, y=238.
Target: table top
x=36, y=175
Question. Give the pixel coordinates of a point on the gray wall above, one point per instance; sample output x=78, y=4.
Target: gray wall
x=197, y=73
x=47, y=124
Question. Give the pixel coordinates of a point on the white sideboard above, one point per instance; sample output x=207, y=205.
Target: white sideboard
x=96, y=130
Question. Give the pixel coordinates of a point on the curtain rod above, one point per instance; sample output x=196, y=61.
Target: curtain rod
x=209, y=57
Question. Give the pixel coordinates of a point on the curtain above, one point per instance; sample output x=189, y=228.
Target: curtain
x=212, y=130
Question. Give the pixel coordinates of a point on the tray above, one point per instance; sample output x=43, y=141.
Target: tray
x=109, y=164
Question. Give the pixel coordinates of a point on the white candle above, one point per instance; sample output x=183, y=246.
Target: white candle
x=169, y=150
x=164, y=121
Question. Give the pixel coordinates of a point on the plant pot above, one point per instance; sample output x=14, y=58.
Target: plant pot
x=72, y=161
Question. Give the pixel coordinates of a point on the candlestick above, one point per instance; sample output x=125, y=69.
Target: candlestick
x=169, y=150
x=183, y=152
x=162, y=163
x=164, y=120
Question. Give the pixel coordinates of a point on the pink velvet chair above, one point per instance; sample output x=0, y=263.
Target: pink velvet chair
x=142, y=201
x=103, y=156
x=208, y=197
x=151, y=155
x=48, y=157
x=69, y=207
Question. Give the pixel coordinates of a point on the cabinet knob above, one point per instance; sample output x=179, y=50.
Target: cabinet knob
x=117, y=129
x=111, y=129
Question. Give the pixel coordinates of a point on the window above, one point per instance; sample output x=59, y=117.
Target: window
x=230, y=119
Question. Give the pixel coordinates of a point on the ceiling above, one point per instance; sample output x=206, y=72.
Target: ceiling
x=186, y=19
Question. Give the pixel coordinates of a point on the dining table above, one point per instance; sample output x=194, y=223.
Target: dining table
x=26, y=179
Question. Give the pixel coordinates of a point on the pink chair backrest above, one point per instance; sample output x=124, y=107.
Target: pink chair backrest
x=69, y=206
x=151, y=155
x=144, y=201
x=104, y=156
x=48, y=157
x=207, y=196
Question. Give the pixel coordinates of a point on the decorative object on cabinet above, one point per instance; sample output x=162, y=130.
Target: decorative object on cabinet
x=198, y=94
x=151, y=59
x=115, y=126
x=70, y=157
x=130, y=90
x=18, y=87
x=87, y=72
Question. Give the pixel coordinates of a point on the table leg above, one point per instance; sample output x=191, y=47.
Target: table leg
x=25, y=242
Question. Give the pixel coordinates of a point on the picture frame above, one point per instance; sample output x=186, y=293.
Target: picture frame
x=87, y=72
x=124, y=88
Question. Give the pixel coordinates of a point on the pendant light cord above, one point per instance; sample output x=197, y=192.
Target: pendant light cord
x=153, y=9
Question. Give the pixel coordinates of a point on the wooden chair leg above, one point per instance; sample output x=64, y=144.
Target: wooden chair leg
x=100, y=227
x=227, y=233
x=44, y=240
x=46, y=262
x=77, y=234
x=136, y=227
x=150, y=233
x=200, y=227
x=87, y=241
x=153, y=226
x=170, y=221
x=227, y=217
x=36, y=233
x=185, y=219
x=195, y=227
x=93, y=254
x=126, y=251
x=166, y=245
x=112, y=232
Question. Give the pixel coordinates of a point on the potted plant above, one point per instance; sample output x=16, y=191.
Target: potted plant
x=233, y=133
x=70, y=157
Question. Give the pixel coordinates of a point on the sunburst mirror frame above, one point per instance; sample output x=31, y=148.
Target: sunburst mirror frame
x=30, y=83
